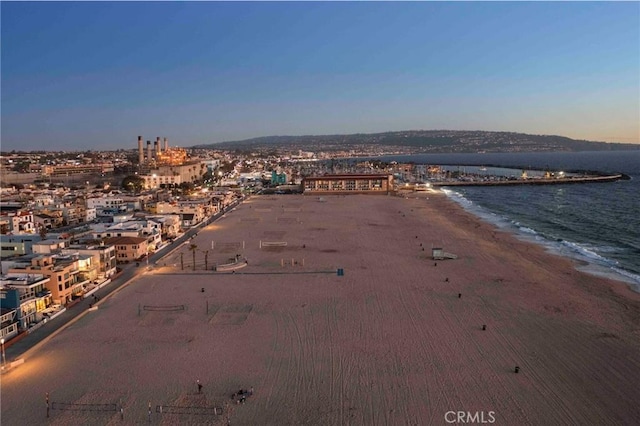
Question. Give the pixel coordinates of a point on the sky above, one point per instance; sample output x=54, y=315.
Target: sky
x=88, y=75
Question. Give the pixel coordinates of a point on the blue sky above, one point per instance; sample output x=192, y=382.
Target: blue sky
x=91, y=75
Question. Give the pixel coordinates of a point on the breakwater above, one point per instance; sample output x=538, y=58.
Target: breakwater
x=531, y=181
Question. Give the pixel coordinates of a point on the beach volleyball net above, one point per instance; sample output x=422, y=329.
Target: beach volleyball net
x=74, y=406
x=163, y=308
x=270, y=244
x=189, y=410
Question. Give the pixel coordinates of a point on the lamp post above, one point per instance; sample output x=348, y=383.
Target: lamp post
x=4, y=358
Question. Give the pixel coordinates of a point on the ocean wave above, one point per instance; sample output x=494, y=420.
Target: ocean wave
x=527, y=230
x=457, y=196
x=633, y=278
x=588, y=252
x=595, y=263
x=617, y=274
x=479, y=211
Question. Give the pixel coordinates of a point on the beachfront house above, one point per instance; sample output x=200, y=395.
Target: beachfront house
x=23, y=297
x=129, y=249
x=65, y=280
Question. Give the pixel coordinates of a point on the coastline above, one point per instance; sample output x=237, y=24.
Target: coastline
x=578, y=265
x=582, y=262
x=396, y=339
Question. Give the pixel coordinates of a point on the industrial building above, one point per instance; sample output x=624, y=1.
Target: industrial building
x=166, y=166
x=160, y=154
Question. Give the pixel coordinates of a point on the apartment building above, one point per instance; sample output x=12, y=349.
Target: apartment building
x=66, y=282
x=104, y=259
x=17, y=244
x=17, y=222
x=191, y=213
x=137, y=227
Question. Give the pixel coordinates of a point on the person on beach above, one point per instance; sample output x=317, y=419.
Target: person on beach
x=199, y=386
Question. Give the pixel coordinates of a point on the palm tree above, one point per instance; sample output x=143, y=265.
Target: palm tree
x=193, y=249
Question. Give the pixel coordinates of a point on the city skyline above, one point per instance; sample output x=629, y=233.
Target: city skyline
x=97, y=75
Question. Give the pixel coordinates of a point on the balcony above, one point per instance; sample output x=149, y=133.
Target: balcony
x=25, y=297
x=78, y=287
x=43, y=293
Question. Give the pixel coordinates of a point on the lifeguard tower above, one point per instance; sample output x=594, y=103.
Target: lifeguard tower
x=438, y=253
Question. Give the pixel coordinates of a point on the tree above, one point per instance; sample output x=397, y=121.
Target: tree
x=133, y=183
x=43, y=232
x=22, y=166
x=193, y=249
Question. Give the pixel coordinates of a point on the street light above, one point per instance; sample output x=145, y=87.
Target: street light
x=4, y=358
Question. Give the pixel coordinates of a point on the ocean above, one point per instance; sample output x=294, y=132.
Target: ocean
x=597, y=224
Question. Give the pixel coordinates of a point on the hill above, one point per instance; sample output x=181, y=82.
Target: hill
x=425, y=141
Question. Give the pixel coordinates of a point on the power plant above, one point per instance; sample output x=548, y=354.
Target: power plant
x=159, y=154
x=166, y=166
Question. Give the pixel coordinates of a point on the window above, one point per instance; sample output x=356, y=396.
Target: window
x=59, y=287
x=59, y=278
x=363, y=184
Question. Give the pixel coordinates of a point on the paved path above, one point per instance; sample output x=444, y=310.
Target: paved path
x=20, y=347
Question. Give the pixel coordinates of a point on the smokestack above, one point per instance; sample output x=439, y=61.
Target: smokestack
x=140, y=150
x=157, y=146
x=149, y=151
x=166, y=144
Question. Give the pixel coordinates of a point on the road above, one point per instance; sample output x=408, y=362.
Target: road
x=20, y=347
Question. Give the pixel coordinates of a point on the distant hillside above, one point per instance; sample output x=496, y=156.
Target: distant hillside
x=423, y=141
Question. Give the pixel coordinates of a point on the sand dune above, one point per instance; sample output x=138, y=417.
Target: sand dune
x=390, y=342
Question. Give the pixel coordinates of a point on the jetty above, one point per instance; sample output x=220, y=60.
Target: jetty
x=531, y=181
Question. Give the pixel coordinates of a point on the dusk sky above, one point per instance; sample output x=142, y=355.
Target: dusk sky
x=91, y=75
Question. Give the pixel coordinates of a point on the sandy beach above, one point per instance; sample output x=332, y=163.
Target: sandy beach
x=397, y=339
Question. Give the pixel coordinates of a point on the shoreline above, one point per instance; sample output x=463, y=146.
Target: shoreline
x=581, y=261
x=397, y=338
x=578, y=265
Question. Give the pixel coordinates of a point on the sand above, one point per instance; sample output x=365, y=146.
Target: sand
x=390, y=342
